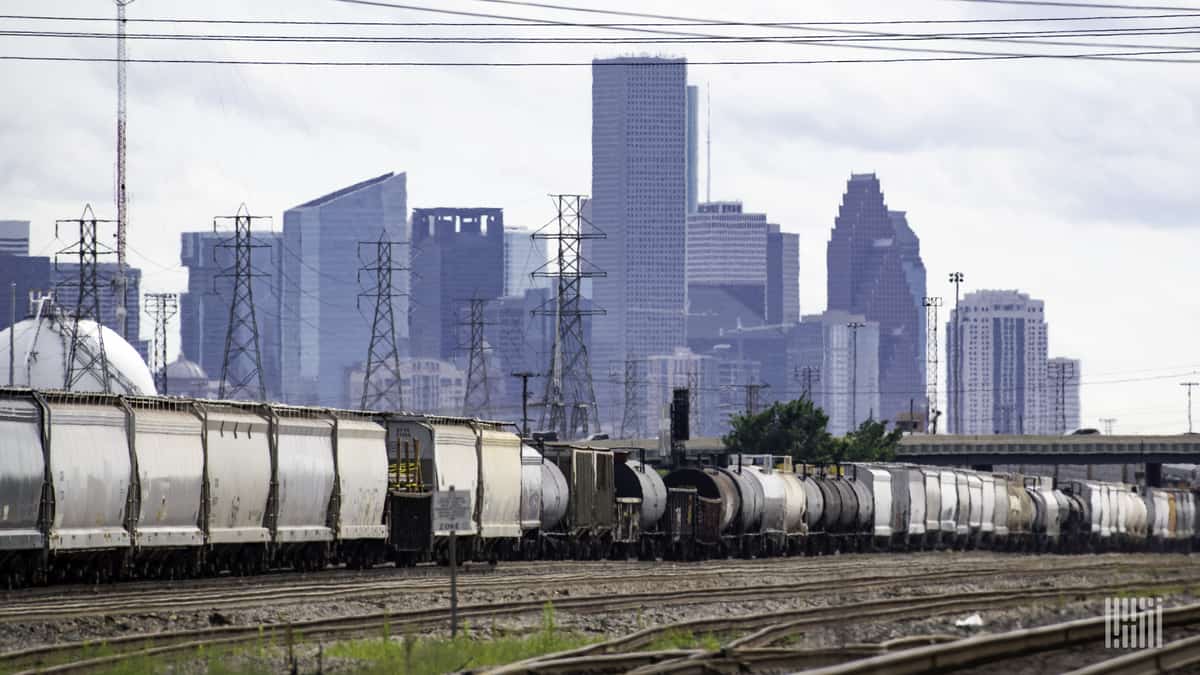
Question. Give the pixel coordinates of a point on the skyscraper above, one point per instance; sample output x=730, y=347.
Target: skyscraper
x=843, y=367
x=783, y=276
x=875, y=269
x=639, y=200
x=64, y=279
x=727, y=269
x=14, y=237
x=458, y=254
x=1003, y=388
x=523, y=255
x=204, y=307
x=693, y=147
x=324, y=335
x=1062, y=394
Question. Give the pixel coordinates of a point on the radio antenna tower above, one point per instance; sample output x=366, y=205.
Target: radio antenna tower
x=162, y=307
x=122, y=281
x=569, y=378
x=635, y=409
x=82, y=358
x=241, y=371
x=381, y=380
x=477, y=401
x=931, y=361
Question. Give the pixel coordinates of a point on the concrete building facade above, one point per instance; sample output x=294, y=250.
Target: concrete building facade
x=523, y=256
x=323, y=333
x=14, y=237
x=845, y=366
x=1004, y=352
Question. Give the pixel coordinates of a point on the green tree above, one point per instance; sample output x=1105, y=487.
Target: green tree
x=796, y=428
x=871, y=442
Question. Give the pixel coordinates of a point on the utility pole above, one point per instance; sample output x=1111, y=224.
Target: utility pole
x=525, y=375
x=12, y=334
x=634, y=410
x=1189, y=386
x=82, y=359
x=381, y=379
x=1108, y=423
x=122, y=281
x=931, y=361
x=569, y=405
x=477, y=402
x=161, y=307
x=854, y=326
x=1062, y=372
x=241, y=370
x=957, y=279
x=809, y=376
x=752, y=389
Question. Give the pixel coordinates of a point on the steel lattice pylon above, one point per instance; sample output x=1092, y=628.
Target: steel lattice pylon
x=241, y=370
x=81, y=358
x=634, y=415
x=381, y=379
x=569, y=379
x=162, y=307
x=931, y=361
x=478, y=400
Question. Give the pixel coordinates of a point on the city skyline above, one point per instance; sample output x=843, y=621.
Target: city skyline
x=1035, y=185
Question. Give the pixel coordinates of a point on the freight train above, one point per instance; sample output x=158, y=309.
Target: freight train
x=96, y=487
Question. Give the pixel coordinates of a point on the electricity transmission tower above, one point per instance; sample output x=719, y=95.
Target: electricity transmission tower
x=381, y=379
x=241, y=370
x=809, y=376
x=752, y=390
x=477, y=401
x=162, y=307
x=931, y=360
x=1064, y=372
x=82, y=358
x=633, y=416
x=569, y=378
x=854, y=326
x=1190, y=386
x=1108, y=423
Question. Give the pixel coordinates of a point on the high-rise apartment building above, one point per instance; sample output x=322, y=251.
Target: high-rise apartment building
x=837, y=362
x=458, y=254
x=875, y=270
x=523, y=256
x=204, y=307
x=639, y=201
x=14, y=237
x=324, y=335
x=693, y=147
x=1062, y=394
x=1003, y=388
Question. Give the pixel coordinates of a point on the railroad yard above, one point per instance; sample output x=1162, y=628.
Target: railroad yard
x=771, y=614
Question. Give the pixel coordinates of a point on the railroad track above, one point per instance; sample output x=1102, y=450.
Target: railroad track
x=761, y=630
x=69, y=657
x=158, y=600
x=1167, y=658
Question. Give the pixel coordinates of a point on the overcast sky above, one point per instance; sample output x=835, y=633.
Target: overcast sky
x=1072, y=180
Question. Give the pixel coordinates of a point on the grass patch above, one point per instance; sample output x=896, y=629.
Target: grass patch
x=421, y=656
x=684, y=639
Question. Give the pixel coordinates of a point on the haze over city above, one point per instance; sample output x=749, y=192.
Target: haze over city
x=1071, y=180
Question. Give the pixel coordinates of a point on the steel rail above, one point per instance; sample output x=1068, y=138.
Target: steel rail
x=1167, y=658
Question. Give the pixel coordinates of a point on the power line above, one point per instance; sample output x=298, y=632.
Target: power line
x=1125, y=57
x=1085, y=5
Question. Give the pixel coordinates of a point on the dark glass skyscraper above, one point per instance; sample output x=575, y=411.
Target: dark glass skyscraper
x=875, y=269
x=458, y=254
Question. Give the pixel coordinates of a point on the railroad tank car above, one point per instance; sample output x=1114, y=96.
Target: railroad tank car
x=237, y=451
x=833, y=502
x=637, y=481
x=1122, y=519
x=795, y=505
x=850, y=522
x=678, y=526
x=164, y=512
x=22, y=477
x=864, y=520
x=814, y=514
x=975, y=515
x=531, y=500
x=303, y=483
x=719, y=489
x=498, y=504
x=90, y=471
x=555, y=496
x=750, y=491
x=774, y=499
x=1000, y=508
x=361, y=463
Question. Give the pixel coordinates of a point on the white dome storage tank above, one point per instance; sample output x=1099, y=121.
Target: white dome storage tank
x=42, y=346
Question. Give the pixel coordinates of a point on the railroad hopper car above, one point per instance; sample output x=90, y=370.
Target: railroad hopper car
x=587, y=528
